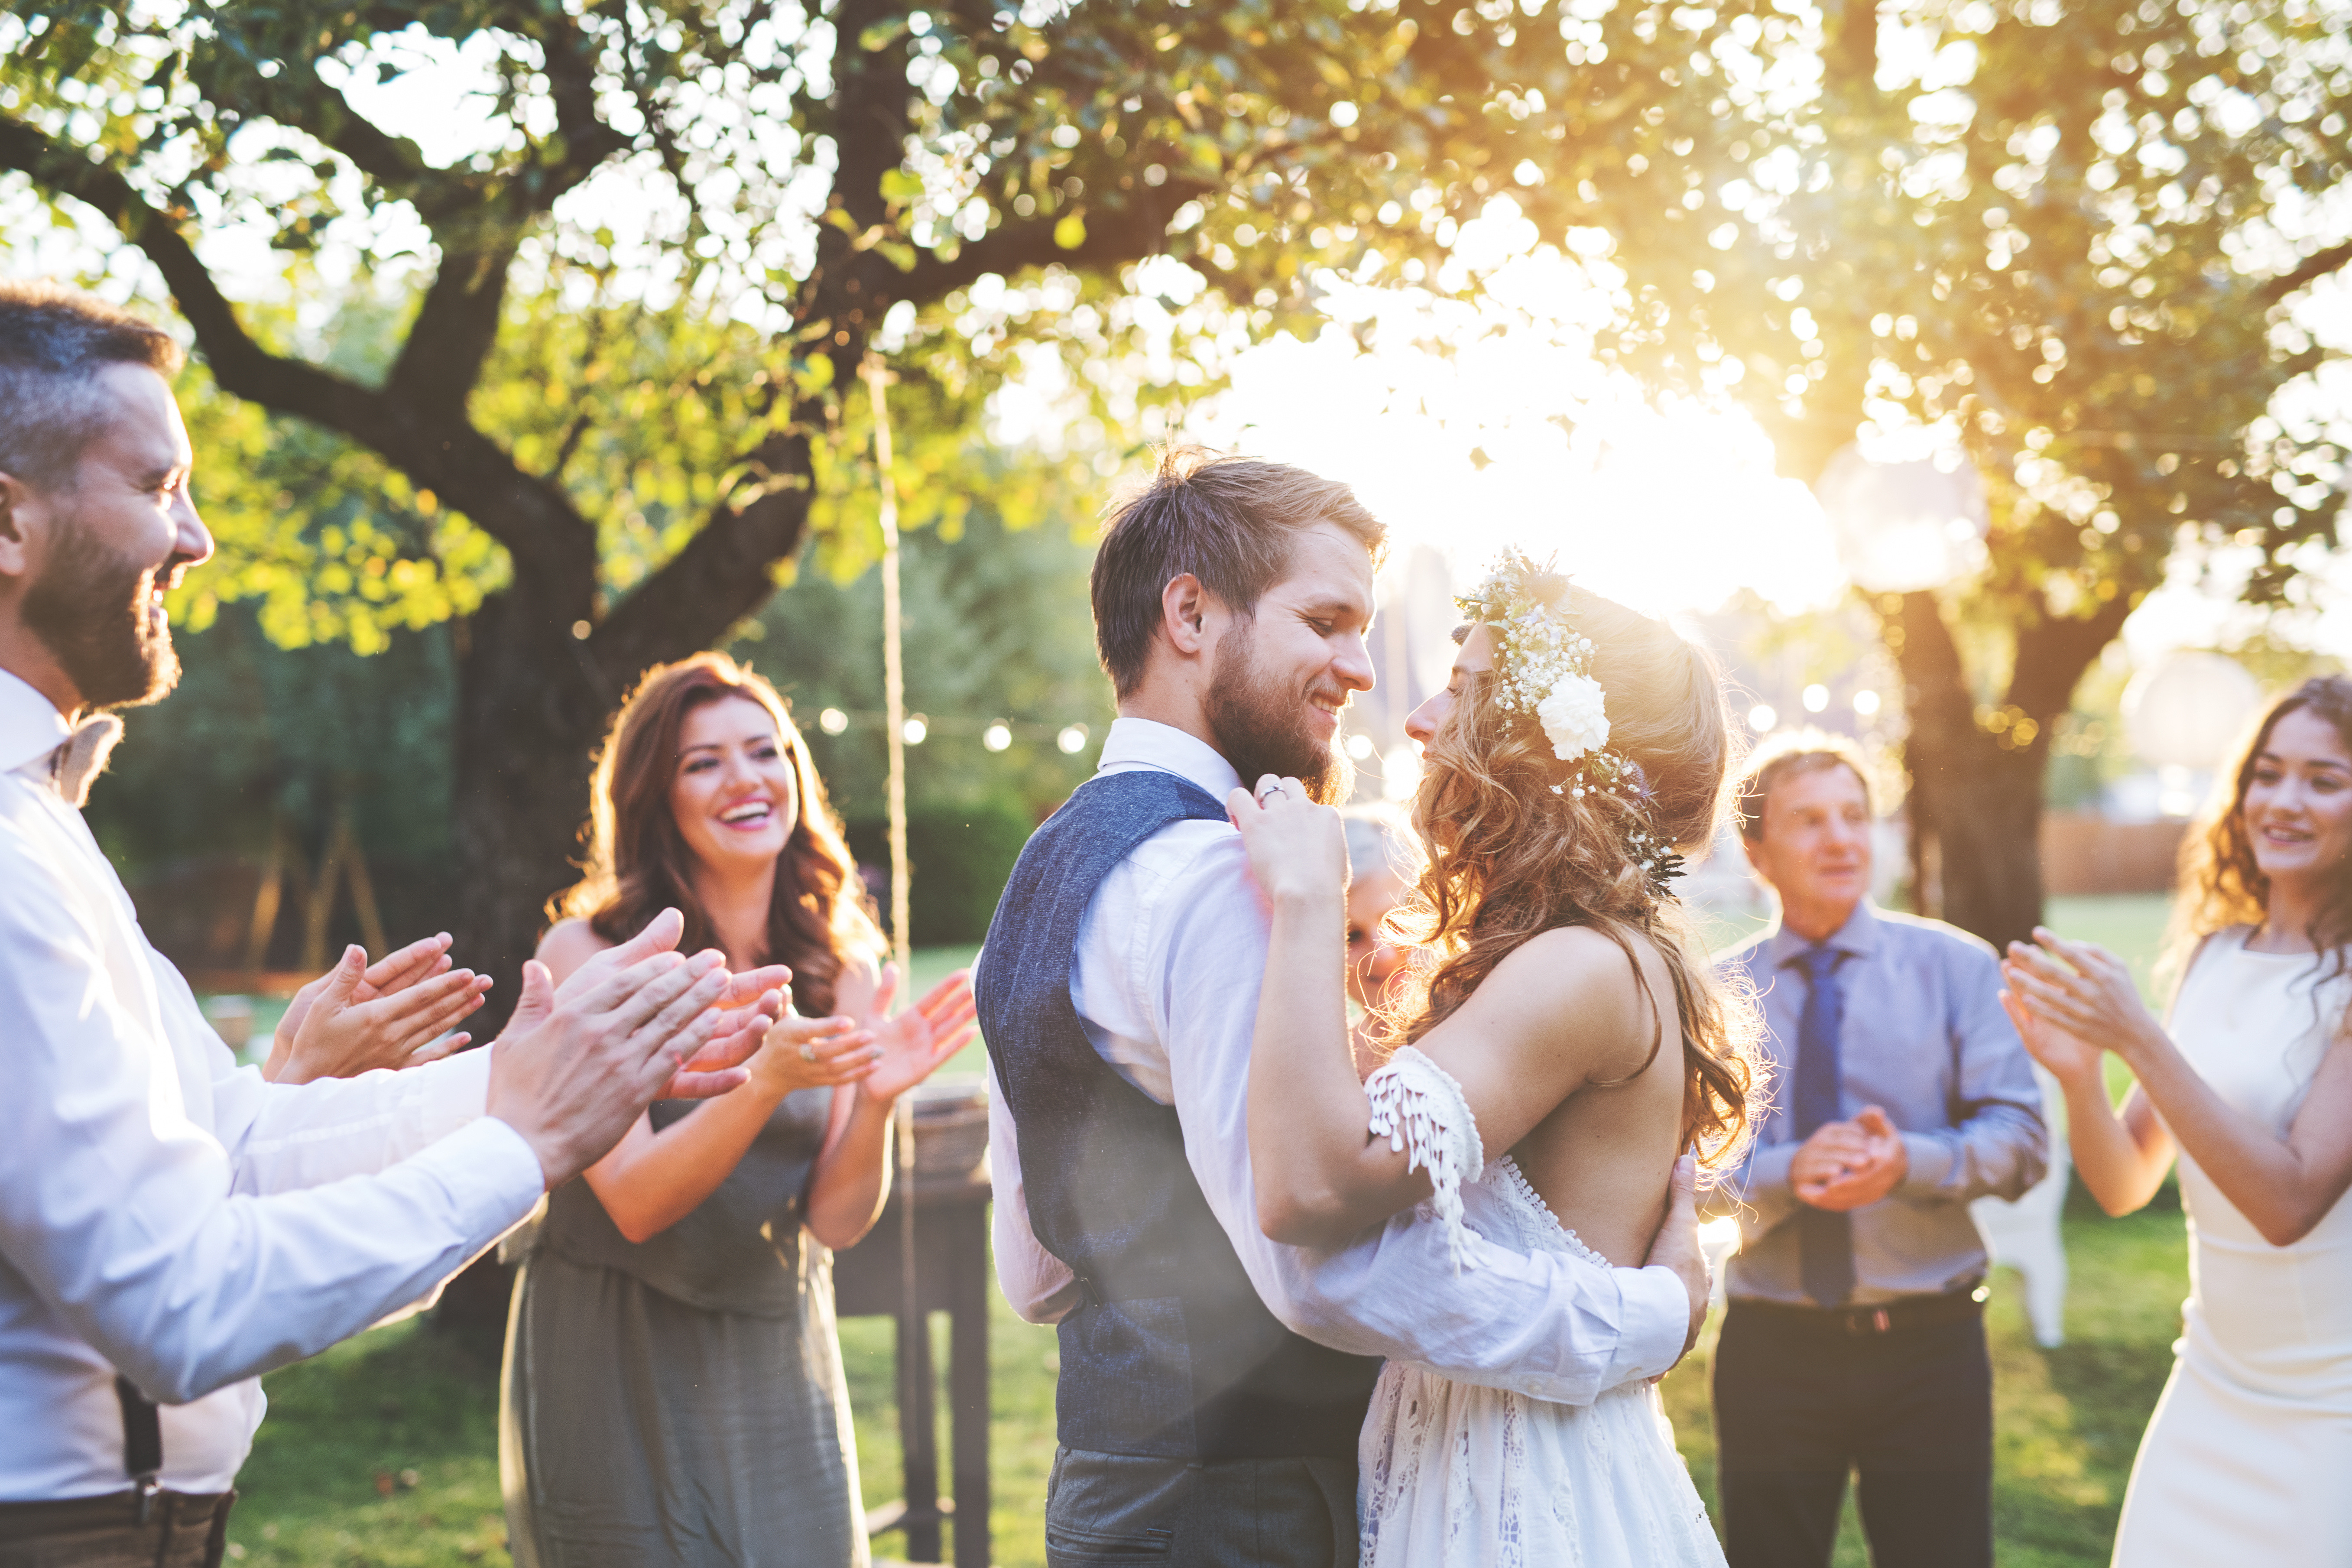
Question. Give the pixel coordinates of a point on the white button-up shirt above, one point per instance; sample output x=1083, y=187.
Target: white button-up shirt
x=163, y=1212
x=1165, y=980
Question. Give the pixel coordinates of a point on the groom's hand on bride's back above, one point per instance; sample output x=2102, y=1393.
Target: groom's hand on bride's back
x=1675, y=1246
x=577, y=1065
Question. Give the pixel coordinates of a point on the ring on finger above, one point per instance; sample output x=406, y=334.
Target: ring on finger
x=808, y=1051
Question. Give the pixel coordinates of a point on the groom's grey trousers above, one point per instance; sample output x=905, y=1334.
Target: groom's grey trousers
x=1111, y=1511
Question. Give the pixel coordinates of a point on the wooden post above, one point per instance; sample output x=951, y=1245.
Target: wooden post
x=968, y=1391
x=267, y=897
x=894, y=683
x=918, y=1428
x=918, y=1440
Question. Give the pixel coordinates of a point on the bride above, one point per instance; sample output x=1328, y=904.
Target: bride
x=1562, y=1041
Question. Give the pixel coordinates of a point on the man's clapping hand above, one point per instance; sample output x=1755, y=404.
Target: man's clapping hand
x=359, y=1017
x=637, y=1023
x=1847, y=1165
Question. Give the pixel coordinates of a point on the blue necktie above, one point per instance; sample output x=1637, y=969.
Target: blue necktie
x=1824, y=1239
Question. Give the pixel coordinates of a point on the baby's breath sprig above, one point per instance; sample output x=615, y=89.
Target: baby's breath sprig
x=1543, y=669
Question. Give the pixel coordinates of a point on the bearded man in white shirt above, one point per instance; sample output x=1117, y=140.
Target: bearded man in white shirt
x=172, y=1226
x=1213, y=1382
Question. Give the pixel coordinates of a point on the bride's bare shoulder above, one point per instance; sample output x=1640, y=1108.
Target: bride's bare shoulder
x=1572, y=971
x=568, y=945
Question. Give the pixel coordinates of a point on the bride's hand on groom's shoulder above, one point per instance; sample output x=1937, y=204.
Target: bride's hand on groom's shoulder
x=1297, y=850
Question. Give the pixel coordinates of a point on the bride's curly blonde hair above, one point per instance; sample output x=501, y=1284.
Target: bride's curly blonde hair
x=1509, y=858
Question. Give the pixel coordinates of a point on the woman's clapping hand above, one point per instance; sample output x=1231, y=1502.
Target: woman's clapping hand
x=2071, y=1001
x=813, y=1053
x=914, y=1043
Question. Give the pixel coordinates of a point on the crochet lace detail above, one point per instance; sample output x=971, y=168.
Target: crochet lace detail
x=1419, y=1110
x=1515, y=1180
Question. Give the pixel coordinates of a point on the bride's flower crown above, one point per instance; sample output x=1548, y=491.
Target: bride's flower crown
x=1543, y=669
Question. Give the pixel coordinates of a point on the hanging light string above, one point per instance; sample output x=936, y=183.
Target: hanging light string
x=996, y=734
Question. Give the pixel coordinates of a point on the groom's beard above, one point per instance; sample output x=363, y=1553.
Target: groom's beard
x=93, y=610
x=1261, y=726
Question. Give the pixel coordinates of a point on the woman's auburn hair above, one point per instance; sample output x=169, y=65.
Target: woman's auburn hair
x=1509, y=858
x=638, y=862
x=2220, y=884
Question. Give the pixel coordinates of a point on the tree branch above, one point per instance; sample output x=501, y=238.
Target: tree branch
x=2052, y=653
x=1114, y=235
x=2310, y=270
x=724, y=573
x=535, y=520
x=458, y=325
x=237, y=362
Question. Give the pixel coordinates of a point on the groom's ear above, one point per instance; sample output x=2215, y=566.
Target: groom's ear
x=1184, y=613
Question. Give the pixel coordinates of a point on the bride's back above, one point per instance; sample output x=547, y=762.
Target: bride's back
x=1602, y=1160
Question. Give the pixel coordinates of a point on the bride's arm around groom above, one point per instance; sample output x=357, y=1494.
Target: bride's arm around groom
x=1549, y=1325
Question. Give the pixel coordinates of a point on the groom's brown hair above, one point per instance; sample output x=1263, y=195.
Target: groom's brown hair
x=1228, y=520
x=53, y=342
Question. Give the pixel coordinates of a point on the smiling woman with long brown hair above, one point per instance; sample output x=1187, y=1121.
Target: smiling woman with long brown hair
x=673, y=1387
x=2249, y=1087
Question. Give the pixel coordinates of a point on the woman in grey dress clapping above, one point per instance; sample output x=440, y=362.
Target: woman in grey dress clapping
x=673, y=1387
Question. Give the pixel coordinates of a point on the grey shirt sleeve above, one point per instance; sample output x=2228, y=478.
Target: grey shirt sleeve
x=1997, y=1145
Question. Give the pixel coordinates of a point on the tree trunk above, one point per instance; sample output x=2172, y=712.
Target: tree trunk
x=531, y=706
x=1976, y=826
x=1977, y=776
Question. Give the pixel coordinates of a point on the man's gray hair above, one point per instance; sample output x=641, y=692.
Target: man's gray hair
x=53, y=342
x=1379, y=840
x=1791, y=753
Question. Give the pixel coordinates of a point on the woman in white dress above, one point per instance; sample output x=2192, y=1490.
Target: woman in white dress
x=2249, y=1456
x=1562, y=1041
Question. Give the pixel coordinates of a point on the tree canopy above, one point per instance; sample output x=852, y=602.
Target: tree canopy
x=610, y=312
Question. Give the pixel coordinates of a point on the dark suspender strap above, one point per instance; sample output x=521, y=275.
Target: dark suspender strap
x=143, y=1435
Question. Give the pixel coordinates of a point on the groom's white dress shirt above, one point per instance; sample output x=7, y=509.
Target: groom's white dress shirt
x=1170, y=955
x=163, y=1212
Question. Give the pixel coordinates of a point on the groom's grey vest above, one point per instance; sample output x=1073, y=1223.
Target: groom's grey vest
x=1168, y=1351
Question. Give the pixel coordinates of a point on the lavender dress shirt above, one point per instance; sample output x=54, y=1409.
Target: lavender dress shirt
x=1924, y=1039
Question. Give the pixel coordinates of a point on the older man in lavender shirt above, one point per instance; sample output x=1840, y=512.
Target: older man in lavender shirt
x=1855, y=1336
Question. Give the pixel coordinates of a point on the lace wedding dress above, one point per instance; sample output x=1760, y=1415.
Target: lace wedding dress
x=1453, y=1474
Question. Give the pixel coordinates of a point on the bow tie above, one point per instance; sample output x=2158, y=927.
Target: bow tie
x=74, y=765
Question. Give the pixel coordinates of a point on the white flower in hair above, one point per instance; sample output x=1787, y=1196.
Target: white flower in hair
x=1575, y=717
x=1543, y=669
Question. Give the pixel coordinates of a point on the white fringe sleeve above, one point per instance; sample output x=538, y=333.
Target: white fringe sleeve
x=1419, y=1110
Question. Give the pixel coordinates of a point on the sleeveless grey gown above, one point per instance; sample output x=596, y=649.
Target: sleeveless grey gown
x=681, y=1401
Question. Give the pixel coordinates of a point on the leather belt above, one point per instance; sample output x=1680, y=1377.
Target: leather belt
x=164, y=1524
x=1878, y=1317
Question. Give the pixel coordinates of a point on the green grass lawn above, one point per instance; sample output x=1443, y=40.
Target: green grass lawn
x=384, y=1451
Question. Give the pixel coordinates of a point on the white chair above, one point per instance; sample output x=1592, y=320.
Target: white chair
x=2025, y=1234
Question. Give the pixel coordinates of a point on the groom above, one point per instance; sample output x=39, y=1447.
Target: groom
x=1213, y=1382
